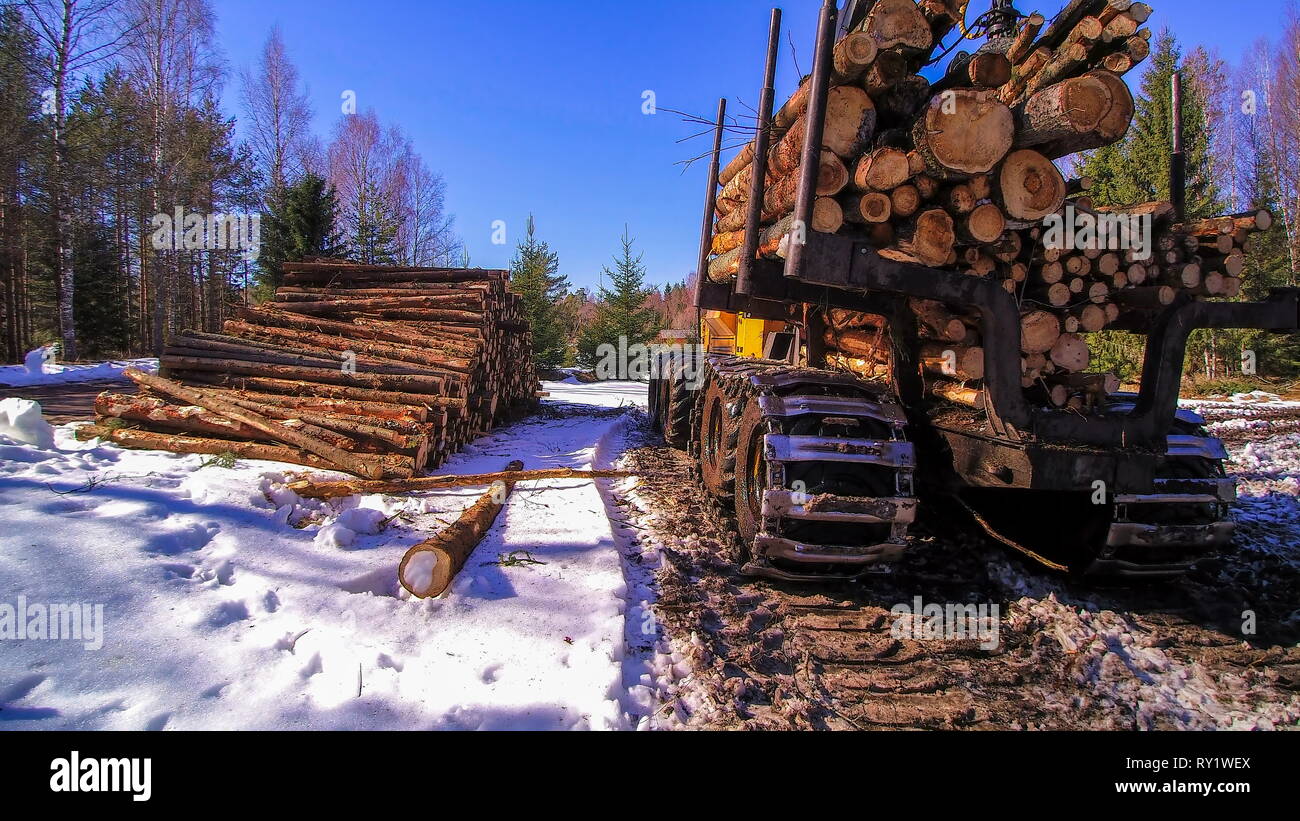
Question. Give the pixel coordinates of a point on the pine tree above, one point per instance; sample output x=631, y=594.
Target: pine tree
x=622, y=318
x=300, y=224
x=534, y=275
x=19, y=131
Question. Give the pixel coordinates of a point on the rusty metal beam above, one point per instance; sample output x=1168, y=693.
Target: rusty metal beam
x=710, y=202
x=758, y=166
x=815, y=126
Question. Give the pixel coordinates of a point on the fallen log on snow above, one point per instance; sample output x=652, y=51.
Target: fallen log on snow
x=310, y=488
x=428, y=567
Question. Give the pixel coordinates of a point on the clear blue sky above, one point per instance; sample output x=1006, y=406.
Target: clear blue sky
x=535, y=105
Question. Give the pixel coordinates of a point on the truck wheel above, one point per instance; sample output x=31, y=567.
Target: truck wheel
x=717, y=437
x=751, y=477
x=678, y=400
x=654, y=394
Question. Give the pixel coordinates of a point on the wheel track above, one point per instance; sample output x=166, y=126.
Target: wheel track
x=821, y=656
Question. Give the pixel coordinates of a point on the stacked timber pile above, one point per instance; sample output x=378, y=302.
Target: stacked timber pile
x=378, y=371
x=960, y=175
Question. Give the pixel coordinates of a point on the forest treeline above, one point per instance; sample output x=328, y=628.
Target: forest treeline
x=1241, y=131
x=132, y=206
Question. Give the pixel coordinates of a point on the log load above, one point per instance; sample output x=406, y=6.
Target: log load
x=961, y=175
x=378, y=371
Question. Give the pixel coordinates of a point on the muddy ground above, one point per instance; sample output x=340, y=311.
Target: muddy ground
x=1215, y=650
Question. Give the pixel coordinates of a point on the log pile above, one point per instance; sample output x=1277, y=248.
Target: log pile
x=377, y=371
x=960, y=175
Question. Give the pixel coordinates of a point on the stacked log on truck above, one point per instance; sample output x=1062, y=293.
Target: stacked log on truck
x=382, y=372
x=960, y=175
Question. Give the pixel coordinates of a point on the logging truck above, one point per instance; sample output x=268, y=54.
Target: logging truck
x=890, y=334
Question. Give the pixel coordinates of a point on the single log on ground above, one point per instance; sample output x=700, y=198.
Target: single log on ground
x=428, y=567
x=333, y=489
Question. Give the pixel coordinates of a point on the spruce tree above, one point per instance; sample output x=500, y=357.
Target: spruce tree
x=374, y=229
x=1136, y=169
x=535, y=277
x=300, y=223
x=622, y=316
x=102, y=292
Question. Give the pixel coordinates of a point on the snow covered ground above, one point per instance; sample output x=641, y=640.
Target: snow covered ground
x=40, y=368
x=230, y=602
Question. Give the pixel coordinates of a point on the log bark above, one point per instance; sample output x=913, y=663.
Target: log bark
x=938, y=321
x=351, y=463
x=1063, y=111
x=1024, y=41
x=151, y=440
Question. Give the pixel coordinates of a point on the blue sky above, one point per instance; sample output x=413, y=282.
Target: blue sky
x=536, y=107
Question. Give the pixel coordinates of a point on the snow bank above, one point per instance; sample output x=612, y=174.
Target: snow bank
x=21, y=421
x=39, y=368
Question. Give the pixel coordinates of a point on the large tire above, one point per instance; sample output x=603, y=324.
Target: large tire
x=751, y=477
x=678, y=399
x=719, y=426
x=654, y=395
